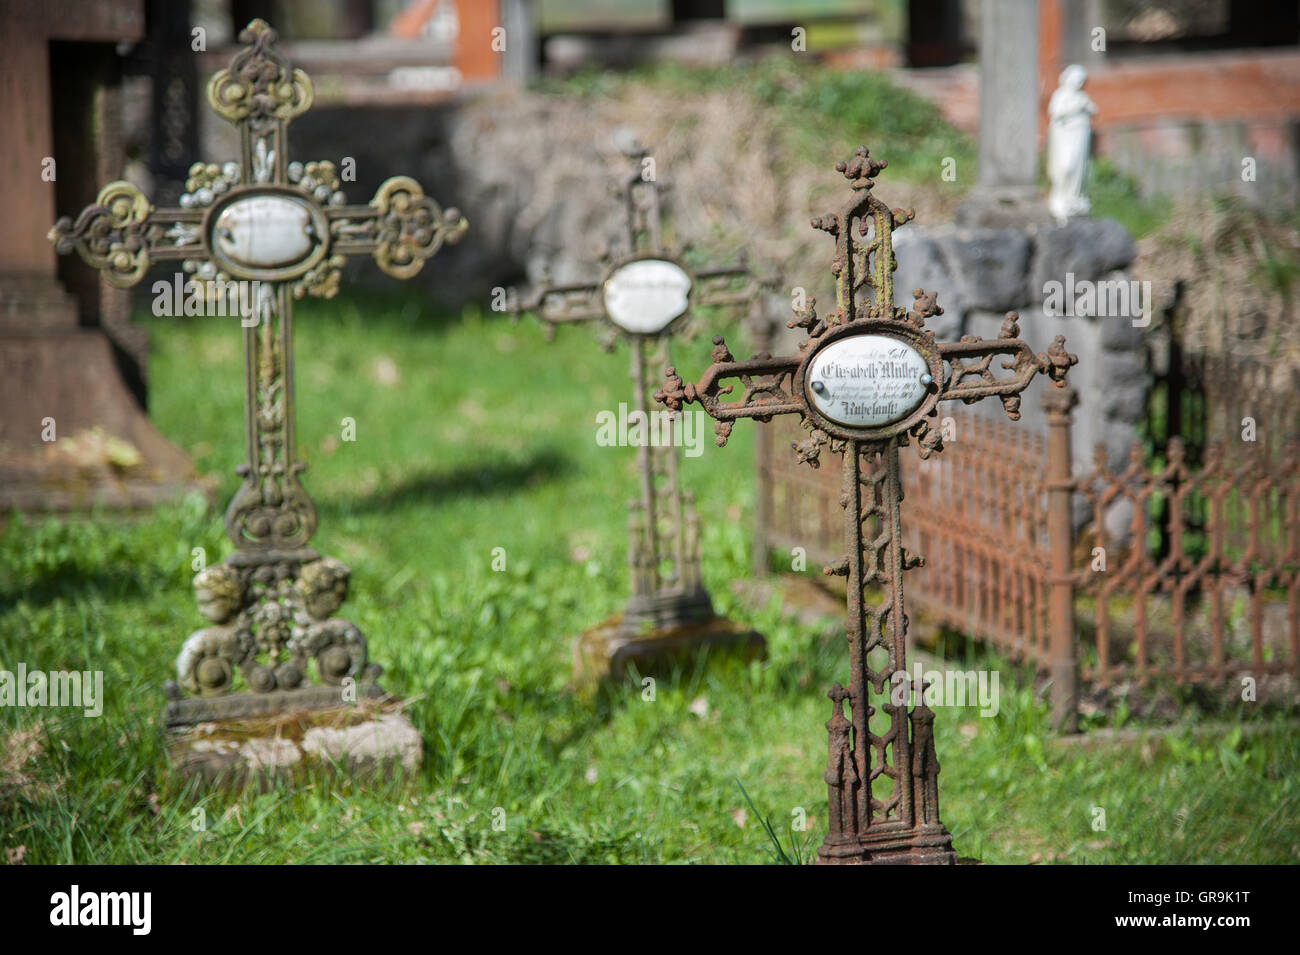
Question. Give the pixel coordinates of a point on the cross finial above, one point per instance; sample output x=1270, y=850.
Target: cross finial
x=861, y=170
x=257, y=27
x=864, y=256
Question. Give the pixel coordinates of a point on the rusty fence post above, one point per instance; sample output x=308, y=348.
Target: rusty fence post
x=763, y=492
x=761, y=328
x=1062, y=644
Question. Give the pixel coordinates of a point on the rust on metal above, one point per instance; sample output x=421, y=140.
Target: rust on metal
x=882, y=780
x=1182, y=572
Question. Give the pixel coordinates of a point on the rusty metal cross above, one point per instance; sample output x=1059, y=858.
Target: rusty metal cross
x=282, y=230
x=868, y=379
x=646, y=295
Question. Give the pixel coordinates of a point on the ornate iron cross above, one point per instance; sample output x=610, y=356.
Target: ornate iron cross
x=283, y=230
x=869, y=377
x=646, y=295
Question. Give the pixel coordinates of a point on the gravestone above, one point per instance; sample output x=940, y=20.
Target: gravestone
x=645, y=296
x=73, y=432
x=869, y=379
x=273, y=231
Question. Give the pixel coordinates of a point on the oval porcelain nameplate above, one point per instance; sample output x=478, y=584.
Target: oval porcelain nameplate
x=643, y=297
x=866, y=381
x=265, y=232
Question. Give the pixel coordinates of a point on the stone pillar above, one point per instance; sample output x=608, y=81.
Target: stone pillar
x=1079, y=19
x=519, y=62
x=61, y=375
x=1008, y=140
x=1006, y=190
x=27, y=199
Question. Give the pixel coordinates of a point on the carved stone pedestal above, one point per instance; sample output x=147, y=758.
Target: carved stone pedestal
x=370, y=739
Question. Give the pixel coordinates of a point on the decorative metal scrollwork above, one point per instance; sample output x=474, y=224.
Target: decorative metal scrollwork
x=111, y=234
x=260, y=84
x=266, y=603
x=273, y=625
x=411, y=227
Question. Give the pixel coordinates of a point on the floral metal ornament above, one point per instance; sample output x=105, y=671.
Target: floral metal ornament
x=286, y=230
x=646, y=294
x=868, y=379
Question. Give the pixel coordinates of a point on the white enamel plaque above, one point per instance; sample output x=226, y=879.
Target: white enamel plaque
x=265, y=232
x=643, y=297
x=866, y=381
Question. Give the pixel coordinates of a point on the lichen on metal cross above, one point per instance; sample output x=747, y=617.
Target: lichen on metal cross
x=285, y=229
x=646, y=294
x=868, y=380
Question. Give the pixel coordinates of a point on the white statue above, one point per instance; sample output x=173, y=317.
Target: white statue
x=1069, y=136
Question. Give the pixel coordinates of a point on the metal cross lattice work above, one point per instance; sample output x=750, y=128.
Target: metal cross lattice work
x=869, y=377
x=646, y=295
x=283, y=230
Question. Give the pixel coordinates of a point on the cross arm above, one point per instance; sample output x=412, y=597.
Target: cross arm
x=561, y=304
x=767, y=381
x=122, y=234
x=971, y=358
x=401, y=228
x=729, y=285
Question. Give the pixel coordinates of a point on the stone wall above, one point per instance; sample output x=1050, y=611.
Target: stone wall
x=983, y=273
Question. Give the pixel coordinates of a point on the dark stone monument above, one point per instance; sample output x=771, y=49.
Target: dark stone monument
x=72, y=367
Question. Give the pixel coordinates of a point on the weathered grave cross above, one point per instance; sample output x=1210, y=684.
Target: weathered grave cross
x=870, y=375
x=282, y=229
x=646, y=295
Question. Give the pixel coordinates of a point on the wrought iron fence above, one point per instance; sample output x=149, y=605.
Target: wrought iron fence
x=1208, y=584
x=1183, y=571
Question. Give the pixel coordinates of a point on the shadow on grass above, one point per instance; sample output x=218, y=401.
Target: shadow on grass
x=482, y=480
x=69, y=583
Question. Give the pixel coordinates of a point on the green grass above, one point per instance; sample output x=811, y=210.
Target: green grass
x=1115, y=195
x=488, y=441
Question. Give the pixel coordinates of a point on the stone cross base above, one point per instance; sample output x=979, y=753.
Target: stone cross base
x=189, y=711
x=605, y=653
x=373, y=738
x=665, y=610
